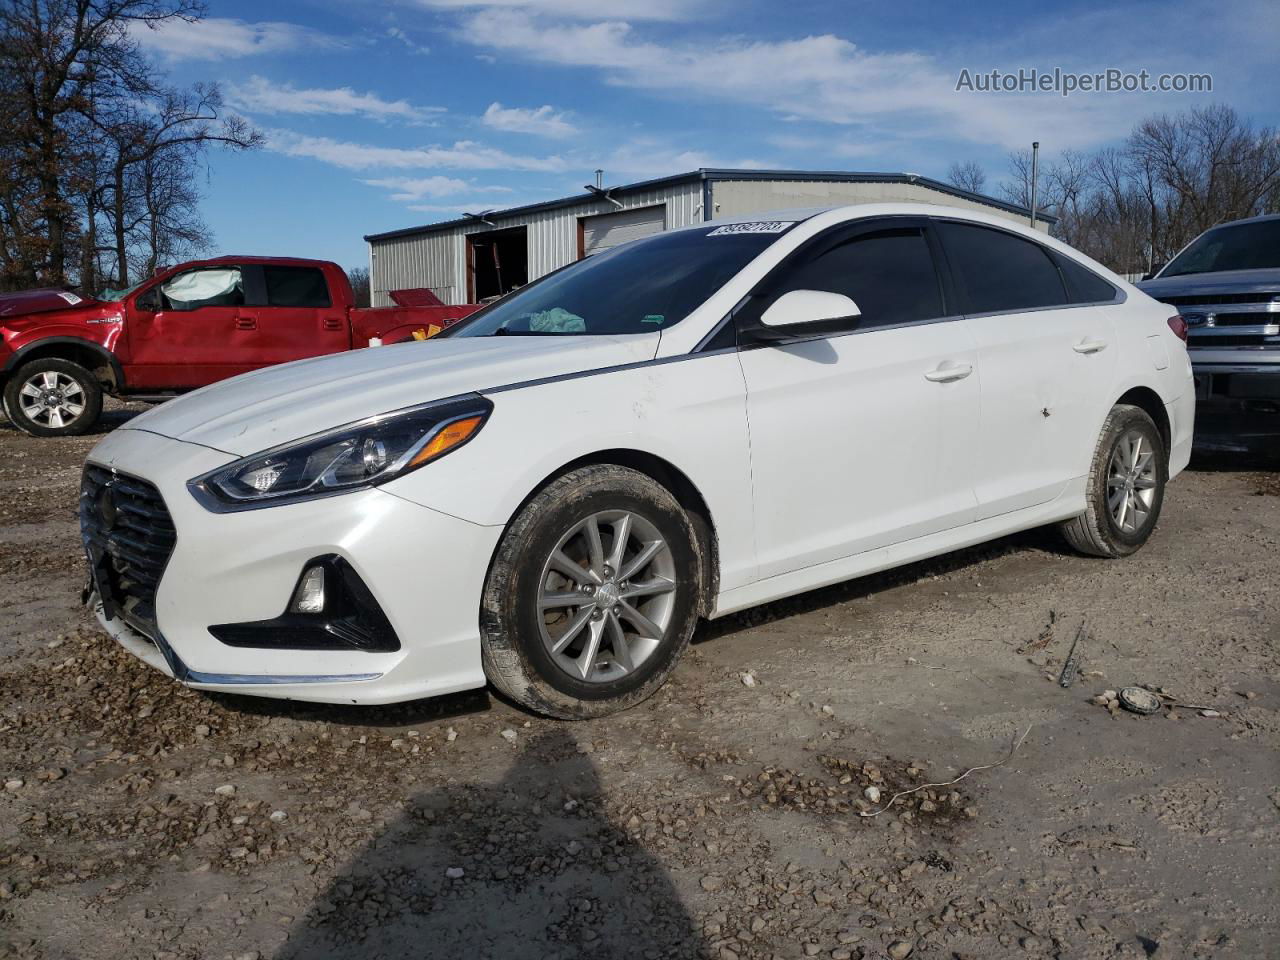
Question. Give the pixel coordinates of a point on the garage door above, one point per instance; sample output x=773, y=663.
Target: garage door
x=607, y=230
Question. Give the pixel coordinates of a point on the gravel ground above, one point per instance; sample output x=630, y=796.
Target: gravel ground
x=720, y=819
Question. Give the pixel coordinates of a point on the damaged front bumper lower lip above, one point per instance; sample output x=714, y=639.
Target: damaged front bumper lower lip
x=157, y=652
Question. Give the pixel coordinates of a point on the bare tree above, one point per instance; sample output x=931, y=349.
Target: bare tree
x=100, y=157
x=359, y=277
x=967, y=176
x=1134, y=206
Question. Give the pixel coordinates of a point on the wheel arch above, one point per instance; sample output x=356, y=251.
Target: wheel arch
x=675, y=481
x=92, y=356
x=1147, y=400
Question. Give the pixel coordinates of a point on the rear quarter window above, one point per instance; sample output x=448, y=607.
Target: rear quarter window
x=1083, y=285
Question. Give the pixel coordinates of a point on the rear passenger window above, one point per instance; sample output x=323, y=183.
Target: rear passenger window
x=889, y=274
x=1083, y=285
x=296, y=287
x=997, y=271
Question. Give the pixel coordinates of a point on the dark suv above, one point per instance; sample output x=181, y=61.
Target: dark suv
x=1226, y=284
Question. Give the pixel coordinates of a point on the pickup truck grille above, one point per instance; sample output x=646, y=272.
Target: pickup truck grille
x=1230, y=319
x=129, y=535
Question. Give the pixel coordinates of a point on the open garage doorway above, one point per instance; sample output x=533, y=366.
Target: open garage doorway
x=497, y=263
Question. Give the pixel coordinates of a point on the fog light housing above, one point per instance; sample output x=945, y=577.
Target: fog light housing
x=308, y=596
x=330, y=608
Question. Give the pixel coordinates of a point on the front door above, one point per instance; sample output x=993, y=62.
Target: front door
x=187, y=331
x=863, y=439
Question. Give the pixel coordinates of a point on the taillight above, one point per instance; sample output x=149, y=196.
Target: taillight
x=1179, y=327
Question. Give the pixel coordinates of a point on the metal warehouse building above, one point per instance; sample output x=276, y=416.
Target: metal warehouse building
x=483, y=256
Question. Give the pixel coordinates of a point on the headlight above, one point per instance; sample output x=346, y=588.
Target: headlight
x=357, y=455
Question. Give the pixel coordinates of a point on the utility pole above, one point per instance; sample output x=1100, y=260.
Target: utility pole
x=1035, y=172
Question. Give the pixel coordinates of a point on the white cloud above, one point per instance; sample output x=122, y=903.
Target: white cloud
x=544, y=121
x=462, y=155
x=825, y=79
x=409, y=189
x=395, y=33
x=670, y=10
x=260, y=95
x=222, y=38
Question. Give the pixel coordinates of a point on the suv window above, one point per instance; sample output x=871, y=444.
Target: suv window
x=296, y=287
x=997, y=272
x=888, y=273
x=1083, y=285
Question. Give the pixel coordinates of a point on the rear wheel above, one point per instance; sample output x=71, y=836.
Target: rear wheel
x=51, y=397
x=592, y=596
x=1125, y=486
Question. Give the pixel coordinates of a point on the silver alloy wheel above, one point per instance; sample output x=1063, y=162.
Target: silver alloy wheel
x=606, y=596
x=1131, y=481
x=52, y=399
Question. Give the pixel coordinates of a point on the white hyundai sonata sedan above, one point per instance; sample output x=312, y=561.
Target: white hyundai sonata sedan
x=548, y=496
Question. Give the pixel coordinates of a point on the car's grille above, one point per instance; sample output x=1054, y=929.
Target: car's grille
x=129, y=535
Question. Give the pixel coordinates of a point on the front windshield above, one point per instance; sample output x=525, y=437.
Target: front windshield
x=110, y=294
x=1242, y=246
x=640, y=287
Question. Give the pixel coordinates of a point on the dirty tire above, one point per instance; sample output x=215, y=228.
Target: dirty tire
x=514, y=656
x=89, y=400
x=1095, y=532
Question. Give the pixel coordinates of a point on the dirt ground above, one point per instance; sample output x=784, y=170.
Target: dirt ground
x=721, y=818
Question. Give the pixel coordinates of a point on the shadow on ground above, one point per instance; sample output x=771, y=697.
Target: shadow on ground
x=108, y=421
x=544, y=874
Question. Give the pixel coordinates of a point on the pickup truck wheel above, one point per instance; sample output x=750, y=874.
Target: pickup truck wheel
x=592, y=595
x=1125, y=488
x=53, y=398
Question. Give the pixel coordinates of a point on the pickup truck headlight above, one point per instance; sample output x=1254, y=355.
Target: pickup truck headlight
x=361, y=454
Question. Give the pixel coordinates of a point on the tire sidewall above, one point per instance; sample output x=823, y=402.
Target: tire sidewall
x=510, y=616
x=88, y=383
x=1131, y=420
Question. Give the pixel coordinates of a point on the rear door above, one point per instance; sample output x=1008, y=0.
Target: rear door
x=1046, y=364
x=292, y=313
x=863, y=439
x=186, y=331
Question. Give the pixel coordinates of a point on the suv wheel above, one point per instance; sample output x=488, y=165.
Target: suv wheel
x=592, y=596
x=52, y=398
x=1125, y=486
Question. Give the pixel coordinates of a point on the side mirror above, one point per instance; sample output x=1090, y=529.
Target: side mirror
x=805, y=313
x=148, y=301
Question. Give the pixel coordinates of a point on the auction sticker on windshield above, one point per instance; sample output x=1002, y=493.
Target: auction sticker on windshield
x=755, y=226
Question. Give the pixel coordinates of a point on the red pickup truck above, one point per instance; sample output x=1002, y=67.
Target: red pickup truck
x=183, y=328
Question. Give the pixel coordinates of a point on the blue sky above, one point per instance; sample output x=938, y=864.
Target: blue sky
x=386, y=115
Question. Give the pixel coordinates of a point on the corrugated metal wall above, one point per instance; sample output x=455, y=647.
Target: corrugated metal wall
x=438, y=259
x=732, y=198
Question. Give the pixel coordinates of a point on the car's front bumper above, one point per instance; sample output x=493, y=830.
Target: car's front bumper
x=425, y=569
x=1238, y=402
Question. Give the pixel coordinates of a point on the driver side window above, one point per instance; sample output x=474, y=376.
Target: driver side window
x=888, y=273
x=202, y=287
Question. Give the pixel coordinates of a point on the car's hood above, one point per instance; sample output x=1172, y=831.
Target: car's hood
x=1205, y=284
x=47, y=300
x=253, y=412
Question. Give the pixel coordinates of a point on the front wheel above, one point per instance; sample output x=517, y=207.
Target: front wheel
x=1125, y=488
x=53, y=398
x=592, y=596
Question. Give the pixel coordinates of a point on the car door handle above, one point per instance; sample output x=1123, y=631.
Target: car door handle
x=1090, y=346
x=331, y=323
x=949, y=371
x=246, y=323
